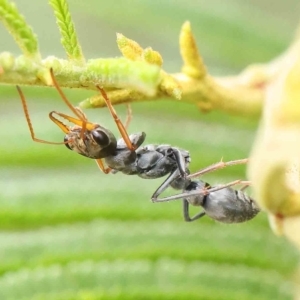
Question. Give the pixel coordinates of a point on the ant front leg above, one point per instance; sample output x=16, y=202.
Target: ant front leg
x=105, y=170
x=118, y=122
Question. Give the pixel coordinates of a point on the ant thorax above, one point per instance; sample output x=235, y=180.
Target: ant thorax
x=125, y=160
x=95, y=144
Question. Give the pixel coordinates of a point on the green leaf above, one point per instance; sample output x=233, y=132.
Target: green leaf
x=19, y=29
x=69, y=38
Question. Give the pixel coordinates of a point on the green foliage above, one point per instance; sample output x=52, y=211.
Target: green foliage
x=69, y=37
x=194, y=84
x=69, y=232
x=19, y=29
x=25, y=70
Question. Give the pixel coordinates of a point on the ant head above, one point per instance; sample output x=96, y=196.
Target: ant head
x=88, y=139
x=95, y=144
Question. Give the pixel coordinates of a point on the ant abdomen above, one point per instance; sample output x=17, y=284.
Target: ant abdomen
x=230, y=206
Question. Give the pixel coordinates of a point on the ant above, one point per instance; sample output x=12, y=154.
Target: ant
x=149, y=162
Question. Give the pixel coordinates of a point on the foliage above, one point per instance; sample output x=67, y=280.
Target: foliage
x=138, y=249
x=19, y=29
x=69, y=38
x=142, y=67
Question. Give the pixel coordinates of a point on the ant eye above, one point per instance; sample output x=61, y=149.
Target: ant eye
x=67, y=140
x=100, y=137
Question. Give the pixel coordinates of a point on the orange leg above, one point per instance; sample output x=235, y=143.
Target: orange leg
x=80, y=115
x=29, y=121
x=118, y=122
x=101, y=166
x=83, y=116
x=60, y=124
x=80, y=123
x=63, y=96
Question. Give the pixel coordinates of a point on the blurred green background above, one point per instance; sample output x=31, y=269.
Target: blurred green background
x=70, y=232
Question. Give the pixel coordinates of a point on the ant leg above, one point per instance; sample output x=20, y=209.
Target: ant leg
x=195, y=193
x=80, y=114
x=180, y=162
x=180, y=171
x=219, y=165
x=186, y=213
x=118, y=122
x=80, y=123
x=101, y=166
x=246, y=185
x=64, y=98
x=223, y=186
x=164, y=185
x=25, y=109
x=80, y=111
x=128, y=116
